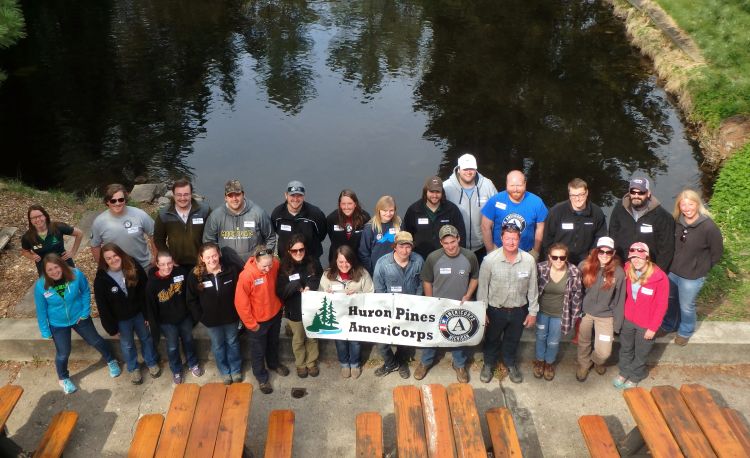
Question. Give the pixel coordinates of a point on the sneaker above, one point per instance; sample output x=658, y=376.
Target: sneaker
x=227, y=379
x=619, y=382
x=237, y=378
x=538, y=368
x=485, y=376
x=385, y=370
x=549, y=372
x=461, y=375
x=403, y=371
x=420, y=371
x=266, y=388
x=356, y=372
x=629, y=384
x=154, y=371
x=68, y=386
x=681, y=341
x=135, y=377
x=582, y=372
x=313, y=371
x=346, y=372
x=514, y=373
x=114, y=368
x=600, y=369
x=282, y=370
x=177, y=378
x=302, y=372
x=196, y=370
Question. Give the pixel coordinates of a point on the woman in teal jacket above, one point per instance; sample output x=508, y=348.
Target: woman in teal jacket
x=63, y=302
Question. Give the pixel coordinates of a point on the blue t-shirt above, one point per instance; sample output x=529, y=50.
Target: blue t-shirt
x=526, y=214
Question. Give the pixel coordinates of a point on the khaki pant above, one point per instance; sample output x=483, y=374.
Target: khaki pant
x=305, y=349
x=602, y=331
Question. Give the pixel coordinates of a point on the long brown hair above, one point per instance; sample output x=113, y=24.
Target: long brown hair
x=54, y=258
x=31, y=236
x=346, y=251
x=128, y=265
x=199, y=270
x=358, y=216
x=591, y=266
x=287, y=262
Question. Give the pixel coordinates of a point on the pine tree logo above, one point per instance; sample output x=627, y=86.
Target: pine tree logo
x=325, y=320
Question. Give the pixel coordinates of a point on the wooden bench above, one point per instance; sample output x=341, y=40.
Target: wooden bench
x=685, y=429
x=713, y=424
x=369, y=435
x=597, y=437
x=280, y=434
x=503, y=433
x=146, y=436
x=57, y=435
x=651, y=424
x=9, y=396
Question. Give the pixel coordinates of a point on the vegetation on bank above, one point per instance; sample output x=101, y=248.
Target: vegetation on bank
x=11, y=25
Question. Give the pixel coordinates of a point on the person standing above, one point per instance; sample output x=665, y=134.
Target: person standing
x=240, y=224
x=179, y=227
x=346, y=223
x=641, y=218
x=508, y=284
x=295, y=216
x=398, y=273
x=45, y=236
x=577, y=223
x=470, y=190
x=698, y=247
x=451, y=272
x=515, y=206
x=128, y=227
x=379, y=233
x=425, y=217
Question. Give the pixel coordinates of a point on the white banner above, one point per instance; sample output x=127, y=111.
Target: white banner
x=399, y=319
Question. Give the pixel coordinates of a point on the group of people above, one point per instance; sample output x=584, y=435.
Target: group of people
x=236, y=267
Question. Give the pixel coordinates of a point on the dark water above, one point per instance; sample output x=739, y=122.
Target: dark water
x=373, y=95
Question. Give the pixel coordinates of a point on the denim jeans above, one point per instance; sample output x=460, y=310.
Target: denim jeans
x=264, y=347
x=503, y=333
x=681, y=314
x=225, y=345
x=61, y=337
x=391, y=359
x=428, y=357
x=547, y=337
x=128, y=329
x=173, y=333
x=348, y=352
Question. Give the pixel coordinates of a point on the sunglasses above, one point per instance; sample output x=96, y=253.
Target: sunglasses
x=639, y=250
x=555, y=258
x=264, y=253
x=683, y=237
x=607, y=252
x=117, y=201
x=635, y=192
x=296, y=250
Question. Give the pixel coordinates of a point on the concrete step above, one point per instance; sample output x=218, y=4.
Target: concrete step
x=713, y=343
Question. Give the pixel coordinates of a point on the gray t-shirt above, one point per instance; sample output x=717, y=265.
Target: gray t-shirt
x=119, y=278
x=127, y=231
x=450, y=275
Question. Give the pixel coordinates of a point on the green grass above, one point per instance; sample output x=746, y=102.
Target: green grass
x=51, y=197
x=720, y=28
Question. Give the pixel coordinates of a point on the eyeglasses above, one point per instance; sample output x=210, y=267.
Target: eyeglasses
x=683, y=237
x=37, y=217
x=607, y=252
x=555, y=258
x=296, y=250
x=117, y=201
x=187, y=194
x=636, y=192
x=639, y=250
x=577, y=196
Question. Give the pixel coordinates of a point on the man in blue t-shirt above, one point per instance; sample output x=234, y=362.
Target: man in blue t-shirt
x=514, y=206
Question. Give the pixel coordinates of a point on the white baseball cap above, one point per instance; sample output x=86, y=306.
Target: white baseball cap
x=467, y=161
x=605, y=242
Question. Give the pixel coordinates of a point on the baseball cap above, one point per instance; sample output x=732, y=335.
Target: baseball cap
x=233, y=186
x=295, y=187
x=434, y=184
x=640, y=184
x=638, y=250
x=404, y=237
x=467, y=161
x=605, y=242
x=447, y=230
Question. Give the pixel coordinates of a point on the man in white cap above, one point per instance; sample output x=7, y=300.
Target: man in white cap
x=470, y=190
x=295, y=216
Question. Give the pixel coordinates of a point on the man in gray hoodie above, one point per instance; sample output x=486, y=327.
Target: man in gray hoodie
x=470, y=190
x=239, y=224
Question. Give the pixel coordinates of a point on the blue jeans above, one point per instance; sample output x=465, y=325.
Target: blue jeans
x=128, y=329
x=61, y=337
x=681, y=314
x=547, y=337
x=348, y=352
x=503, y=334
x=225, y=345
x=173, y=333
x=428, y=357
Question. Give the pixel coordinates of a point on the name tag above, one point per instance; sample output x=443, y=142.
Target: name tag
x=294, y=277
x=501, y=205
x=48, y=294
x=647, y=229
x=134, y=230
x=36, y=247
x=395, y=289
x=286, y=227
x=197, y=220
x=482, y=201
x=259, y=281
x=423, y=221
x=605, y=338
x=647, y=291
x=567, y=226
x=523, y=274
x=392, y=230
x=337, y=287
x=208, y=284
x=588, y=223
x=250, y=224
x=336, y=227
x=445, y=270
x=178, y=278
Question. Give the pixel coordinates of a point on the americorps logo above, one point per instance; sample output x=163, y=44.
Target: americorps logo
x=458, y=325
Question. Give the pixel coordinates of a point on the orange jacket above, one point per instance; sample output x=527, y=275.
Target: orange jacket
x=255, y=298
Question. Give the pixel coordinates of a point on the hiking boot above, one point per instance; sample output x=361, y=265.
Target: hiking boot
x=302, y=372
x=313, y=371
x=154, y=371
x=600, y=369
x=68, y=386
x=514, y=373
x=538, y=368
x=356, y=372
x=237, y=378
x=461, y=374
x=135, y=377
x=619, y=382
x=266, y=388
x=282, y=370
x=114, y=368
x=549, y=371
x=385, y=370
x=582, y=372
x=485, y=376
x=420, y=371
x=346, y=372
x=177, y=378
x=681, y=341
x=403, y=371
x=227, y=379
x=196, y=370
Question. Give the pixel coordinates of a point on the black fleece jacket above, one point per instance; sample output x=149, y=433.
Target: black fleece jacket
x=166, y=298
x=213, y=304
x=113, y=304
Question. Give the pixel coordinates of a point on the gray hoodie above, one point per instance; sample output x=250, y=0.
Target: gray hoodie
x=241, y=232
x=471, y=207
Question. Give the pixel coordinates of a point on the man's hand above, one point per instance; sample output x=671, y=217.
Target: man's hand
x=530, y=321
x=256, y=328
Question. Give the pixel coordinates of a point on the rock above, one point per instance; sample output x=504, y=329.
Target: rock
x=163, y=202
x=147, y=192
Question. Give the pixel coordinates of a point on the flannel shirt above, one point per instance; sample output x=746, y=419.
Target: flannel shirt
x=573, y=297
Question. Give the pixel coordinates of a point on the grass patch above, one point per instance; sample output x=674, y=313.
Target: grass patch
x=52, y=198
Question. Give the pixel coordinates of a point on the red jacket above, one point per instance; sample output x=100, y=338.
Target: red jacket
x=650, y=305
x=255, y=298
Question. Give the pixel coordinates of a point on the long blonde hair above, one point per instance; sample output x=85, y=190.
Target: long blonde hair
x=384, y=203
x=690, y=195
x=645, y=275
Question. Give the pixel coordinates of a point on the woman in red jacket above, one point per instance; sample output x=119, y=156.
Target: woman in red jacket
x=260, y=311
x=647, y=289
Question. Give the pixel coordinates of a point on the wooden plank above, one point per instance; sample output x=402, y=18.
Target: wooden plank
x=467, y=430
x=174, y=434
x=503, y=433
x=407, y=406
x=708, y=415
x=9, y=396
x=738, y=426
x=230, y=440
x=57, y=435
x=280, y=434
x=651, y=424
x=205, y=425
x=369, y=435
x=146, y=436
x=597, y=436
x=6, y=233
x=438, y=427
x=680, y=420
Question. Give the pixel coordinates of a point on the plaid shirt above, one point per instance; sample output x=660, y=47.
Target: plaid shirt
x=573, y=297
x=506, y=284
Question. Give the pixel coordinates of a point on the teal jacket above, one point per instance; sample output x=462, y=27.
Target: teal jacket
x=51, y=309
